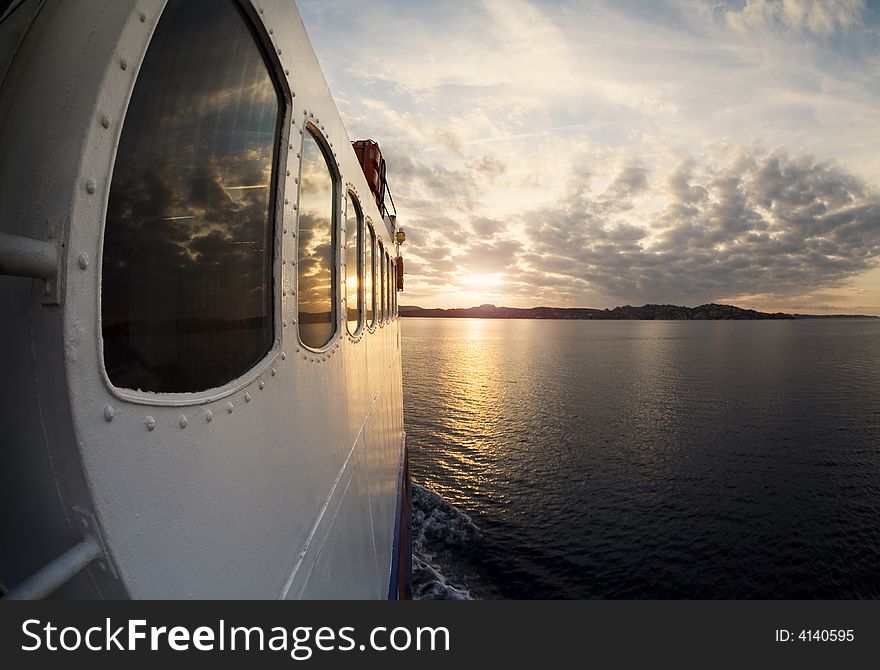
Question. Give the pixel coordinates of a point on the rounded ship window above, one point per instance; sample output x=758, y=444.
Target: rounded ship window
x=393, y=290
x=370, y=278
x=380, y=289
x=316, y=266
x=354, y=263
x=187, y=277
x=388, y=314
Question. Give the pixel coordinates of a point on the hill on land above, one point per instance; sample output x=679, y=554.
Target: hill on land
x=711, y=311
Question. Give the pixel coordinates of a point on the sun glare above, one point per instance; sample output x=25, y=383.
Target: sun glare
x=481, y=281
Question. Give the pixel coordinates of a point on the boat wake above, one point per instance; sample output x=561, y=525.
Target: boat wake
x=443, y=538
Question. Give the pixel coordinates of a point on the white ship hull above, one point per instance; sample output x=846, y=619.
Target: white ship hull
x=283, y=483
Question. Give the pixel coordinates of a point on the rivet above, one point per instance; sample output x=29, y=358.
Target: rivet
x=105, y=120
x=291, y=147
x=143, y=17
x=209, y=416
x=297, y=154
x=151, y=423
x=262, y=384
x=109, y=412
x=294, y=207
x=274, y=371
x=292, y=93
x=247, y=397
x=230, y=407
x=287, y=72
x=288, y=173
x=83, y=261
x=261, y=10
x=296, y=180
x=123, y=64
x=91, y=186
x=284, y=324
x=279, y=51
x=271, y=31
x=283, y=356
x=300, y=131
x=183, y=421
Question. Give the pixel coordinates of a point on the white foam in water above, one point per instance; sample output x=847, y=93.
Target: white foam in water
x=430, y=584
x=440, y=531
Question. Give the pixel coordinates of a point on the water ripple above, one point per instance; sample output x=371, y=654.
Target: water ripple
x=652, y=459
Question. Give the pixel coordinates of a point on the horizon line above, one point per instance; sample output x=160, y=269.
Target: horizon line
x=826, y=312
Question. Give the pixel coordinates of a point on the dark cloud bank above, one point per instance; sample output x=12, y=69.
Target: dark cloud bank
x=764, y=224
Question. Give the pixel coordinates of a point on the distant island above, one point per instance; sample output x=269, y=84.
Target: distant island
x=707, y=312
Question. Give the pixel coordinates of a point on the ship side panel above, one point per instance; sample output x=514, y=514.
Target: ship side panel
x=48, y=507
x=227, y=493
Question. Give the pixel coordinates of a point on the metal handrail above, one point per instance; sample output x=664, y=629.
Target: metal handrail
x=47, y=580
x=27, y=257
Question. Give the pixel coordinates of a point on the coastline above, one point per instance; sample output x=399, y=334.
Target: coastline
x=650, y=312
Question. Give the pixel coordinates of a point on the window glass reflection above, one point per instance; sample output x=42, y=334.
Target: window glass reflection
x=393, y=289
x=387, y=287
x=353, y=268
x=186, y=293
x=370, y=278
x=380, y=277
x=315, y=268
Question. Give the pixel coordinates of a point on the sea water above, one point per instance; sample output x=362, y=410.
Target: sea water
x=644, y=459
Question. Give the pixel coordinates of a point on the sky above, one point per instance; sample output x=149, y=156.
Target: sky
x=593, y=154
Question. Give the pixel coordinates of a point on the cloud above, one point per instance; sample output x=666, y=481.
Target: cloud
x=766, y=223
x=435, y=50
x=751, y=222
x=631, y=180
x=680, y=185
x=489, y=257
x=612, y=152
x=486, y=227
x=818, y=17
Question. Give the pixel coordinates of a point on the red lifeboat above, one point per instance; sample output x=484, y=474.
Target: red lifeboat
x=373, y=165
x=370, y=157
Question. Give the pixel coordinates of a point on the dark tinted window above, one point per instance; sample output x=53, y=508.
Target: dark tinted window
x=354, y=269
x=370, y=278
x=384, y=287
x=388, y=288
x=393, y=288
x=380, y=289
x=187, y=299
x=317, y=319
